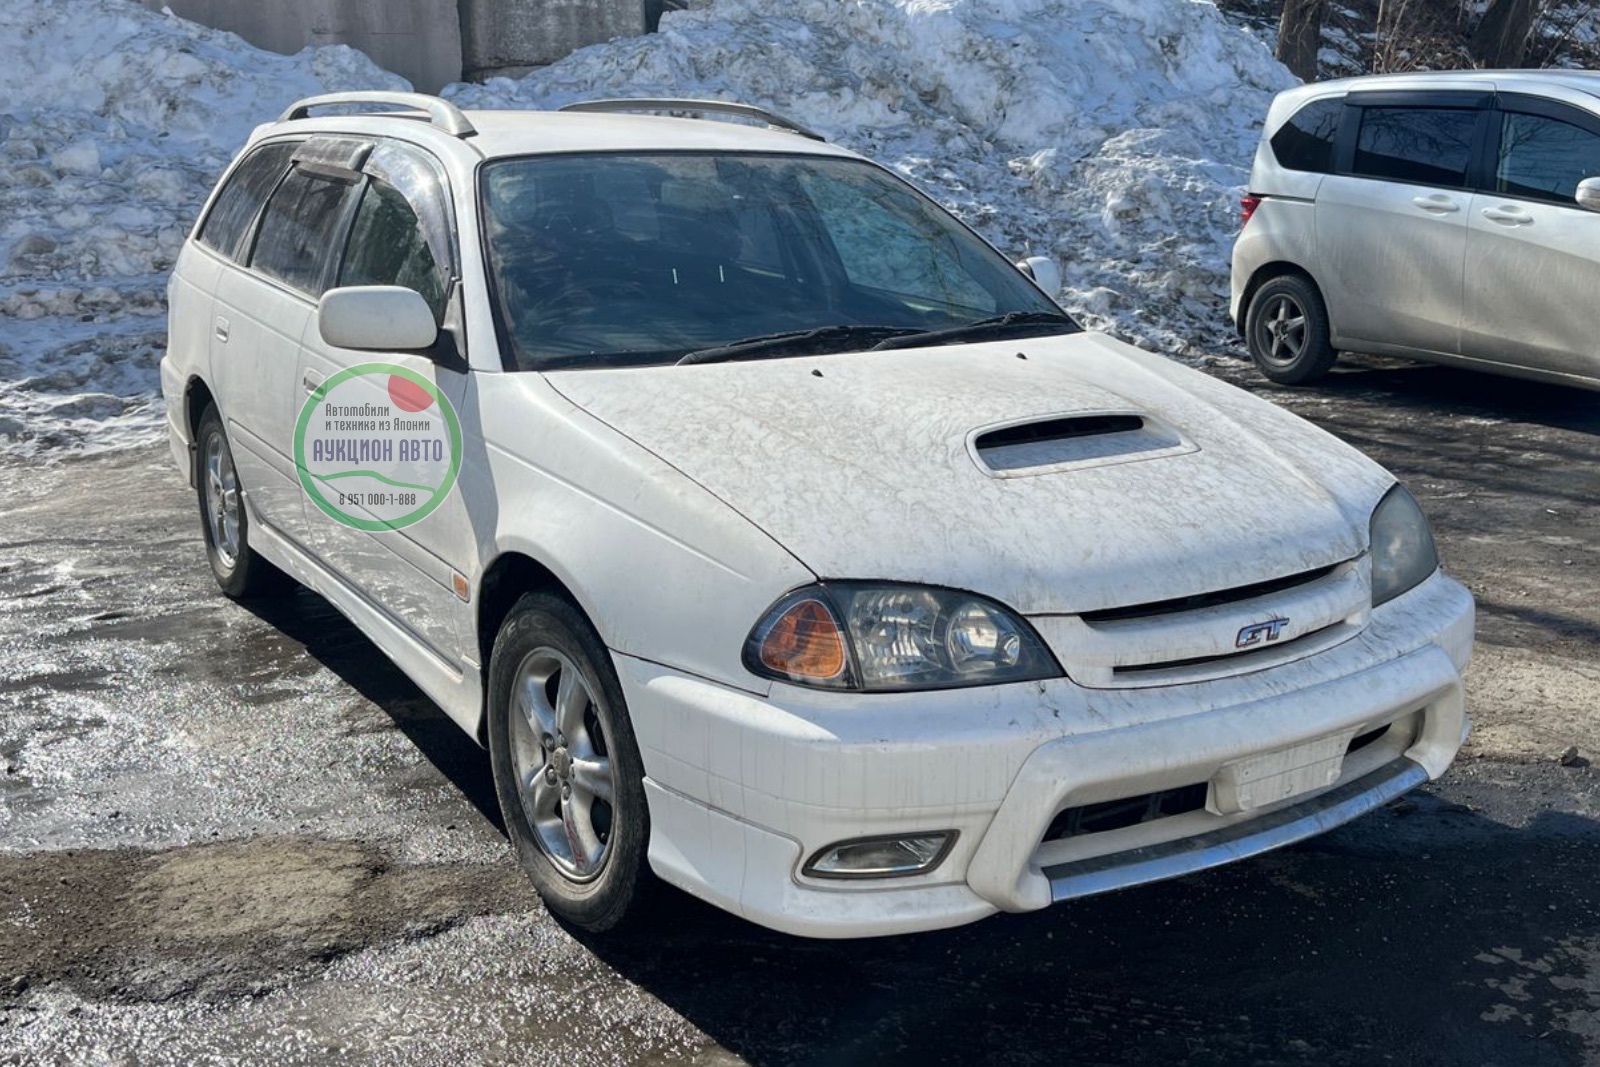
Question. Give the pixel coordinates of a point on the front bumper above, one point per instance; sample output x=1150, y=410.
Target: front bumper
x=743, y=789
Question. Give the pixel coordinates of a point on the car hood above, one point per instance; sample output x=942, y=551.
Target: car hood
x=867, y=465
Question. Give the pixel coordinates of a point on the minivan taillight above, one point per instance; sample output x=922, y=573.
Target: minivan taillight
x=1247, y=207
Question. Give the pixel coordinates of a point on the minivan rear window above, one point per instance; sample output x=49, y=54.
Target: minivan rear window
x=1416, y=145
x=1306, y=141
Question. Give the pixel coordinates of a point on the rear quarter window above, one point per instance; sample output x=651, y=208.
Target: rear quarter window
x=1306, y=141
x=241, y=198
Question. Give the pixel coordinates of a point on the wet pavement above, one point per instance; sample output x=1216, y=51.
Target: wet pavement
x=237, y=834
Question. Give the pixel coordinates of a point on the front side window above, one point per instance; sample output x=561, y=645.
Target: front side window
x=1416, y=145
x=613, y=259
x=1305, y=142
x=241, y=199
x=299, y=228
x=388, y=246
x=1543, y=158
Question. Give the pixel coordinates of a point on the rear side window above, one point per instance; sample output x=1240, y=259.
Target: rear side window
x=299, y=229
x=388, y=246
x=247, y=189
x=1543, y=158
x=1306, y=141
x=1416, y=145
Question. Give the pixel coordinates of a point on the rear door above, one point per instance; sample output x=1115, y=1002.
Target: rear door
x=1392, y=223
x=1533, y=255
x=253, y=393
x=262, y=313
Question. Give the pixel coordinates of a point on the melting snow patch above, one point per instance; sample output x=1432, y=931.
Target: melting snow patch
x=1115, y=135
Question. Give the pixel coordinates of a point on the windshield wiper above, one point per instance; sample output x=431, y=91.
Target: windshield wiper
x=1011, y=324
x=798, y=342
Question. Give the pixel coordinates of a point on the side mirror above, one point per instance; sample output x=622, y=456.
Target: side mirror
x=1044, y=272
x=1588, y=194
x=385, y=318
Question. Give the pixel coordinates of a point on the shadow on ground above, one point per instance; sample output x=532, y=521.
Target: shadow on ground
x=333, y=641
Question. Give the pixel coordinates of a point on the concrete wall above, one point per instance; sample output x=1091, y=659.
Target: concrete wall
x=510, y=36
x=430, y=42
x=420, y=40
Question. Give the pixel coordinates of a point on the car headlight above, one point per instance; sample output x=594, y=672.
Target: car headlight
x=1403, y=555
x=877, y=637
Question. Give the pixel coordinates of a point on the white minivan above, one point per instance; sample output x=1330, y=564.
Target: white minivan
x=1451, y=217
x=778, y=537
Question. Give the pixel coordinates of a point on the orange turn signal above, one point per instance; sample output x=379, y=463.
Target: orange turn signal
x=805, y=642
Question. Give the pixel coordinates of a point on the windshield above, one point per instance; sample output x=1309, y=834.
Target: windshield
x=617, y=260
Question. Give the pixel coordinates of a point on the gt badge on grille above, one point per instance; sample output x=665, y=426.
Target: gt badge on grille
x=1260, y=633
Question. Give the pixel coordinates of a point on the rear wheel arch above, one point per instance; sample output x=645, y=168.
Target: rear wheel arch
x=1266, y=273
x=1287, y=329
x=197, y=398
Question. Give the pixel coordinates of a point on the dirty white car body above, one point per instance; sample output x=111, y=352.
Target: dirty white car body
x=1199, y=578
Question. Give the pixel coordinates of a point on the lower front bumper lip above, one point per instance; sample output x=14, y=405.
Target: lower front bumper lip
x=1298, y=822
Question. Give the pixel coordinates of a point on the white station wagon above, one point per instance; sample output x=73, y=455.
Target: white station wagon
x=777, y=535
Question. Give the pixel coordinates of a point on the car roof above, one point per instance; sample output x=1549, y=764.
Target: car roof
x=1586, y=82
x=591, y=126
x=518, y=133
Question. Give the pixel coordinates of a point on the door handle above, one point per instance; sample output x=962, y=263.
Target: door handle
x=311, y=380
x=1437, y=202
x=221, y=327
x=1510, y=216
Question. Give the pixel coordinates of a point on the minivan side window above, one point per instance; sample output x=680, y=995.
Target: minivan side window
x=299, y=228
x=1544, y=158
x=388, y=246
x=1416, y=145
x=1305, y=142
x=241, y=199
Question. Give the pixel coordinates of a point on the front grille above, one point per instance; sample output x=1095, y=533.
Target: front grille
x=1207, y=600
x=1236, y=662
x=1197, y=638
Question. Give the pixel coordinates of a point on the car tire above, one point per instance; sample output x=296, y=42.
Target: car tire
x=239, y=569
x=1286, y=329
x=566, y=765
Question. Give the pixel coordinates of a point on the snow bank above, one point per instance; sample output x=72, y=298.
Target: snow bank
x=115, y=122
x=1115, y=135
x=1112, y=134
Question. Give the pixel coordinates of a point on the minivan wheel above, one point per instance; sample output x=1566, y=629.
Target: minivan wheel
x=239, y=569
x=566, y=766
x=1286, y=328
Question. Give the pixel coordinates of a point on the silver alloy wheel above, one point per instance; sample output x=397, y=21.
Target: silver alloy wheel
x=1281, y=330
x=222, y=500
x=562, y=763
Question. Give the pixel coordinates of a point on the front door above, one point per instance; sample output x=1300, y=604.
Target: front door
x=401, y=235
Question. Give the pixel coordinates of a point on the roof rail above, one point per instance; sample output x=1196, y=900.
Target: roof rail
x=441, y=113
x=720, y=107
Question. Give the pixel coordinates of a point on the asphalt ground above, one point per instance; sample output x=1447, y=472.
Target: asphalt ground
x=235, y=833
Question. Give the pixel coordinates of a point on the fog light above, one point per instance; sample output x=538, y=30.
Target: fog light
x=882, y=857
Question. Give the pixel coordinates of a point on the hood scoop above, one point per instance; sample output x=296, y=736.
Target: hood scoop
x=1070, y=442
